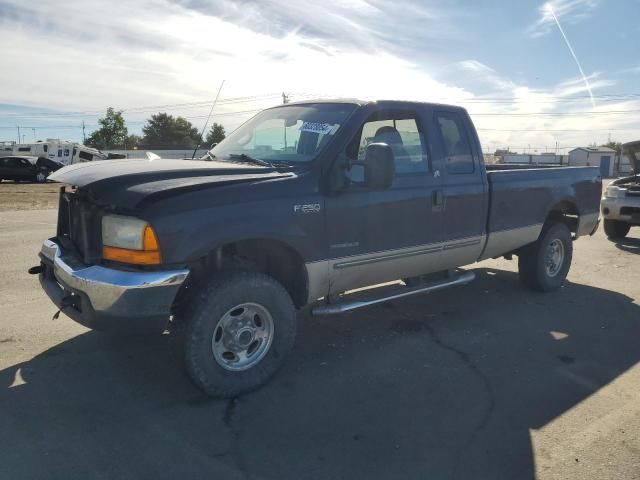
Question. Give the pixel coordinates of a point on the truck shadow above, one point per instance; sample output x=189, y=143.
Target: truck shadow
x=441, y=386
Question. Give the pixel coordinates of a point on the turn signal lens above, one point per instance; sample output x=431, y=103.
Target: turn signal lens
x=137, y=257
x=150, y=241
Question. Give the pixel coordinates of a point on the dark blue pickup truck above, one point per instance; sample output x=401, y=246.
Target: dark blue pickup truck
x=300, y=205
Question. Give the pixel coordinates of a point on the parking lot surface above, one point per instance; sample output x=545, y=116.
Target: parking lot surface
x=488, y=381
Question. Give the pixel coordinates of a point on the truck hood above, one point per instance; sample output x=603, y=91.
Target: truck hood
x=128, y=182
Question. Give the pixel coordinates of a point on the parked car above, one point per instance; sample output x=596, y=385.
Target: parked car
x=304, y=201
x=26, y=168
x=621, y=201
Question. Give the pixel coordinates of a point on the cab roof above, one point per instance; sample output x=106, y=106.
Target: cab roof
x=361, y=103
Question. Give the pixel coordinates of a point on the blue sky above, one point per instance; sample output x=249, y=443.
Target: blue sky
x=64, y=62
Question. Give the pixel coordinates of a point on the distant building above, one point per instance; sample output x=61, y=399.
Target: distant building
x=602, y=157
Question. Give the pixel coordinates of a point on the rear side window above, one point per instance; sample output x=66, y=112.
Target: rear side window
x=24, y=149
x=457, y=148
x=45, y=148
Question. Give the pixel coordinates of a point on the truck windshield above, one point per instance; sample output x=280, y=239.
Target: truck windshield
x=289, y=134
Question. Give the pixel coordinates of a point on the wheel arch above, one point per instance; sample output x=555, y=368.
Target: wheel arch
x=565, y=211
x=270, y=256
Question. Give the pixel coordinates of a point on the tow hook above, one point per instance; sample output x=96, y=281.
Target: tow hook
x=38, y=269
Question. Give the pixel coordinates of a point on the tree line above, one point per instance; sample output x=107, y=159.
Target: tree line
x=161, y=131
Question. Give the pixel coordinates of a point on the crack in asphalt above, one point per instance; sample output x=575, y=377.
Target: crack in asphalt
x=468, y=362
x=234, y=451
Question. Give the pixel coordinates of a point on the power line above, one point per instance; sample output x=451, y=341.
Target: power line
x=251, y=98
x=553, y=114
x=144, y=109
x=534, y=130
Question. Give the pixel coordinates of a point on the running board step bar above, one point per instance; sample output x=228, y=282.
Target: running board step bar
x=462, y=278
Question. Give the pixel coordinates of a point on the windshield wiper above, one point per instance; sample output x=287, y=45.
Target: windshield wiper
x=247, y=159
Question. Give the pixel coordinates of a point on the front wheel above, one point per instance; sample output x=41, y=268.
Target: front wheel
x=544, y=265
x=615, y=229
x=238, y=332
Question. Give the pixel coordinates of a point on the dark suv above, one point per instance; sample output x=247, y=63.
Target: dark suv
x=27, y=168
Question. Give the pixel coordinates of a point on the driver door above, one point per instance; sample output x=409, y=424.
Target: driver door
x=377, y=236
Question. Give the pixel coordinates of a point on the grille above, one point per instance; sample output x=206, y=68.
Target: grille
x=79, y=226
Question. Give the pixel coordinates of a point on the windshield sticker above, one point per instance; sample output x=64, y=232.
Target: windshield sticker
x=314, y=127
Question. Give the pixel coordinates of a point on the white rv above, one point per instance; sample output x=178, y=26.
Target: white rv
x=60, y=151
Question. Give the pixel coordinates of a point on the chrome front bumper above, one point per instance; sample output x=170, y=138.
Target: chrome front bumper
x=611, y=208
x=105, y=298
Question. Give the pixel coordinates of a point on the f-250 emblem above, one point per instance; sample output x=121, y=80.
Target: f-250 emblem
x=308, y=208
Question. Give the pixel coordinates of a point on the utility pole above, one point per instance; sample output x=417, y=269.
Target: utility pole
x=83, y=136
x=18, y=127
x=34, y=135
x=285, y=98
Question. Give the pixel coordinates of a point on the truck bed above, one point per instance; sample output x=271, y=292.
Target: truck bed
x=521, y=197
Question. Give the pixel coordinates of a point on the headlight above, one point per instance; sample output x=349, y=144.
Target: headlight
x=129, y=240
x=614, y=191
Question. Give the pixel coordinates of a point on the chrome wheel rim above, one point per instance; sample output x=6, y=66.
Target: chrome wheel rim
x=41, y=177
x=554, y=257
x=242, y=337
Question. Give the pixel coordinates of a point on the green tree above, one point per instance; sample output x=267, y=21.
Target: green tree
x=165, y=131
x=133, y=140
x=617, y=146
x=112, y=132
x=215, y=135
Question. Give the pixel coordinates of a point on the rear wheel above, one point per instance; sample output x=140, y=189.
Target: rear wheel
x=237, y=333
x=616, y=229
x=544, y=265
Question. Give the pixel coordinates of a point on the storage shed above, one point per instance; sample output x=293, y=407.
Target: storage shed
x=603, y=157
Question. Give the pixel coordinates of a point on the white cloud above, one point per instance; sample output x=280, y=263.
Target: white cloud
x=86, y=55
x=569, y=11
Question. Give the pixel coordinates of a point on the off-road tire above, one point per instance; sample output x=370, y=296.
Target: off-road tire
x=616, y=229
x=532, y=258
x=208, y=305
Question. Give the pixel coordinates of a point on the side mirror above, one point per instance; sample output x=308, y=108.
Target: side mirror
x=379, y=166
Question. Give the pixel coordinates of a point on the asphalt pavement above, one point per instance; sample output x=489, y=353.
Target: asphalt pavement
x=487, y=381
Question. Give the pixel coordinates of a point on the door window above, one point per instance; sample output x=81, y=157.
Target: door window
x=457, y=148
x=402, y=132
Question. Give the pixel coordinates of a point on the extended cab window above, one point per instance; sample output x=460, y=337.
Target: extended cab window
x=457, y=148
x=402, y=133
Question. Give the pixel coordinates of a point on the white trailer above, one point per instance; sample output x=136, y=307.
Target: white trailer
x=61, y=151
